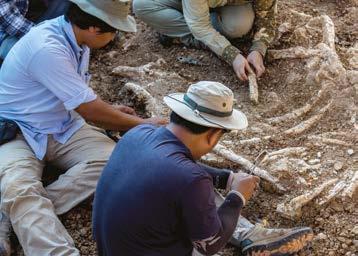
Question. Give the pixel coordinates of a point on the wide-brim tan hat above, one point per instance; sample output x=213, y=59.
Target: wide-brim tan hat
x=208, y=104
x=114, y=12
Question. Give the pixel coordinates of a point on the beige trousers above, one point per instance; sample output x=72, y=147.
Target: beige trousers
x=32, y=208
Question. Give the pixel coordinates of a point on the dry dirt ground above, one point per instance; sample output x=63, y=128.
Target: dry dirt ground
x=323, y=149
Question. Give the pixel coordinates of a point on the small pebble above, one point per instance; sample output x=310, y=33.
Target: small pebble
x=321, y=236
x=350, y=151
x=338, y=166
x=314, y=161
x=355, y=230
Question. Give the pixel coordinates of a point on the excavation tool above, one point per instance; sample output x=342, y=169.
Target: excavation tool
x=190, y=60
x=258, y=160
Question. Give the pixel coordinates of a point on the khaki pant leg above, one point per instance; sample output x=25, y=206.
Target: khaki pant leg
x=25, y=201
x=164, y=16
x=84, y=157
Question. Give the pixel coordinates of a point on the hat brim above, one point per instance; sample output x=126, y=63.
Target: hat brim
x=237, y=121
x=127, y=24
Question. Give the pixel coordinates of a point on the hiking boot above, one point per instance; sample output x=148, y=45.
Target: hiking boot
x=260, y=241
x=188, y=41
x=191, y=42
x=5, y=249
x=164, y=40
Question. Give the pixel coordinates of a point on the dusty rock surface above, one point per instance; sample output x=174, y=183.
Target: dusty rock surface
x=287, y=85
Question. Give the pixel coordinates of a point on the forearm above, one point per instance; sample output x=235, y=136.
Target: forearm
x=220, y=176
x=197, y=17
x=108, y=117
x=229, y=213
x=265, y=25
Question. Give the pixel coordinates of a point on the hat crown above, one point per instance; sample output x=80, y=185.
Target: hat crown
x=116, y=13
x=113, y=7
x=212, y=95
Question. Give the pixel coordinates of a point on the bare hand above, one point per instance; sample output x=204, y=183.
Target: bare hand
x=256, y=60
x=156, y=121
x=241, y=67
x=245, y=184
x=125, y=109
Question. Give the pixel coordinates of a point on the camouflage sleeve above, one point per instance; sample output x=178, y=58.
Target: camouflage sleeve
x=229, y=54
x=265, y=25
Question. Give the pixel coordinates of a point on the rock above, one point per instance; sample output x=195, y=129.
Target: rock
x=341, y=239
x=336, y=206
x=319, y=154
x=355, y=243
x=355, y=230
x=350, y=151
x=338, y=166
x=284, y=27
x=321, y=236
x=83, y=231
x=314, y=161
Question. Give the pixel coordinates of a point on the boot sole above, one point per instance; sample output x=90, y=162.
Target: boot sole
x=286, y=246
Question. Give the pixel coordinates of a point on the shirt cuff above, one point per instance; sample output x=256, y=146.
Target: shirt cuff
x=85, y=96
x=260, y=47
x=229, y=54
x=239, y=195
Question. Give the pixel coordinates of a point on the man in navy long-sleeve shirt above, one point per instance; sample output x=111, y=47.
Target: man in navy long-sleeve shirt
x=154, y=199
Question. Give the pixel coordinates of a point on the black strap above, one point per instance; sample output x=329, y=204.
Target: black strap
x=205, y=110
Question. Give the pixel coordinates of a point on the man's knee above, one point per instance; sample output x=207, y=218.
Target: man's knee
x=141, y=8
x=236, y=21
x=18, y=190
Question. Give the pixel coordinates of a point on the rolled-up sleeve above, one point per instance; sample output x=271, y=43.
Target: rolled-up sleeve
x=197, y=17
x=53, y=67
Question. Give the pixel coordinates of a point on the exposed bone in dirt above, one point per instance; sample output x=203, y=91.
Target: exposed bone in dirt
x=294, y=208
x=247, y=165
x=150, y=104
x=253, y=88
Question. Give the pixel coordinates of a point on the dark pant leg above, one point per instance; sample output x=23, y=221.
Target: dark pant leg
x=55, y=8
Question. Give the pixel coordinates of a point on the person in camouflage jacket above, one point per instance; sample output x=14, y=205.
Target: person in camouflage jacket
x=213, y=23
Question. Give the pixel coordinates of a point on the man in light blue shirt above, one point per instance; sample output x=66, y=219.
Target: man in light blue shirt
x=44, y=89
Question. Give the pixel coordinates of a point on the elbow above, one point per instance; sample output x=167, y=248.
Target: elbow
x=87, y=112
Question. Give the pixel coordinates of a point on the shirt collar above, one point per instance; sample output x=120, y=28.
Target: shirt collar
x=68, y=30
x=179, y=142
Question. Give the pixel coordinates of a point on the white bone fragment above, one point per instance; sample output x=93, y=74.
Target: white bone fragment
x=300, y=111
x=305, y=125
x=333, y=192
x=293, y=209
x=253, y=88
x=351, y=188
x=151, y=105
x=328, y=31
x=293, y=53
x=147, y=69
x=247, y=165
x=319, y=141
